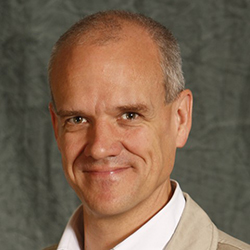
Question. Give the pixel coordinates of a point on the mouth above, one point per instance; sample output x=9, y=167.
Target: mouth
x=105, y=172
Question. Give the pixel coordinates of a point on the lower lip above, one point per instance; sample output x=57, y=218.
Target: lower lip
x=106, y=173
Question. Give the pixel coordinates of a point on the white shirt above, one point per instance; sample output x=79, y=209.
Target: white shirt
x=153, y=235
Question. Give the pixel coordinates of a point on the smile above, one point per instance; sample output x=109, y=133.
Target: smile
x=106, y=172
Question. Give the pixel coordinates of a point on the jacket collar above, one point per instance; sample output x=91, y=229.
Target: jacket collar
x=195, y=230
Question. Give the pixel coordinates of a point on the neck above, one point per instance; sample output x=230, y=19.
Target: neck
x=105, y=232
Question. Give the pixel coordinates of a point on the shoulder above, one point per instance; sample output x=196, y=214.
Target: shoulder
x=227, y=242
x=54, y=247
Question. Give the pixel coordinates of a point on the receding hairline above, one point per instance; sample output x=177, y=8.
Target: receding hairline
x=106, y=23
x=98, y=33
x=98, y=37
x=105, y=27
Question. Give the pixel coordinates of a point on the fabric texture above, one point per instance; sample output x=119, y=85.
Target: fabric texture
x=214, y=36
x=197, y=232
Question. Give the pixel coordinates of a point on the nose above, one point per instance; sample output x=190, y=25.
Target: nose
x=103, y=141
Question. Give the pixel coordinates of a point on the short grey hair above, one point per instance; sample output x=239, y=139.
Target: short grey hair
x=103, y=27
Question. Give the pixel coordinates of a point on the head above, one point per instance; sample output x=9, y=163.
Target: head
x=119, y=111
x=104, y=27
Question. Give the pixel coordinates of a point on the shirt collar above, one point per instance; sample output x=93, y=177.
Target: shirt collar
x=155, y=234
x=72, y=238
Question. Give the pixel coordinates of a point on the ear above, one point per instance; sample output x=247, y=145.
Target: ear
x=54, y=122
x=184, y=117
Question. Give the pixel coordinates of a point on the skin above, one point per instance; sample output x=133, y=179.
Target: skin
x=116, y=134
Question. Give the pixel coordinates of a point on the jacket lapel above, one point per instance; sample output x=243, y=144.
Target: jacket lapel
x=195, y=230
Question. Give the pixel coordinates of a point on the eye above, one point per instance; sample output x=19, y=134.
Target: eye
x=130, y=116
x=77, y=120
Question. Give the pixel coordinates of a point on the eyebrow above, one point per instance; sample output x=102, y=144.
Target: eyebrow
x=65, y=113
x=140, y=108
x=133, y=108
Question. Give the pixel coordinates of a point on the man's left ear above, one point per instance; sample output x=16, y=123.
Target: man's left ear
x=184, y=116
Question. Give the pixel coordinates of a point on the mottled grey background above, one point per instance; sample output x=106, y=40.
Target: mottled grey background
x=214, y=35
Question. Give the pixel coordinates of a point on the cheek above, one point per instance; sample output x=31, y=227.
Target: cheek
x=168, y=150
x=71, y=145
x=145, y=144
x=155, y=146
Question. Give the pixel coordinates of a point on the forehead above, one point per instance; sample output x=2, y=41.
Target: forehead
x=130, y=36
x=132, y=61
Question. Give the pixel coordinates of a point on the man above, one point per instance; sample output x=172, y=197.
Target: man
x=119, y=112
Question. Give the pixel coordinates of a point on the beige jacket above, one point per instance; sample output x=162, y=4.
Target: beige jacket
x=196, y=231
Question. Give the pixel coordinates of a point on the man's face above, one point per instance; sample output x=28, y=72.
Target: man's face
x=116, y=135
